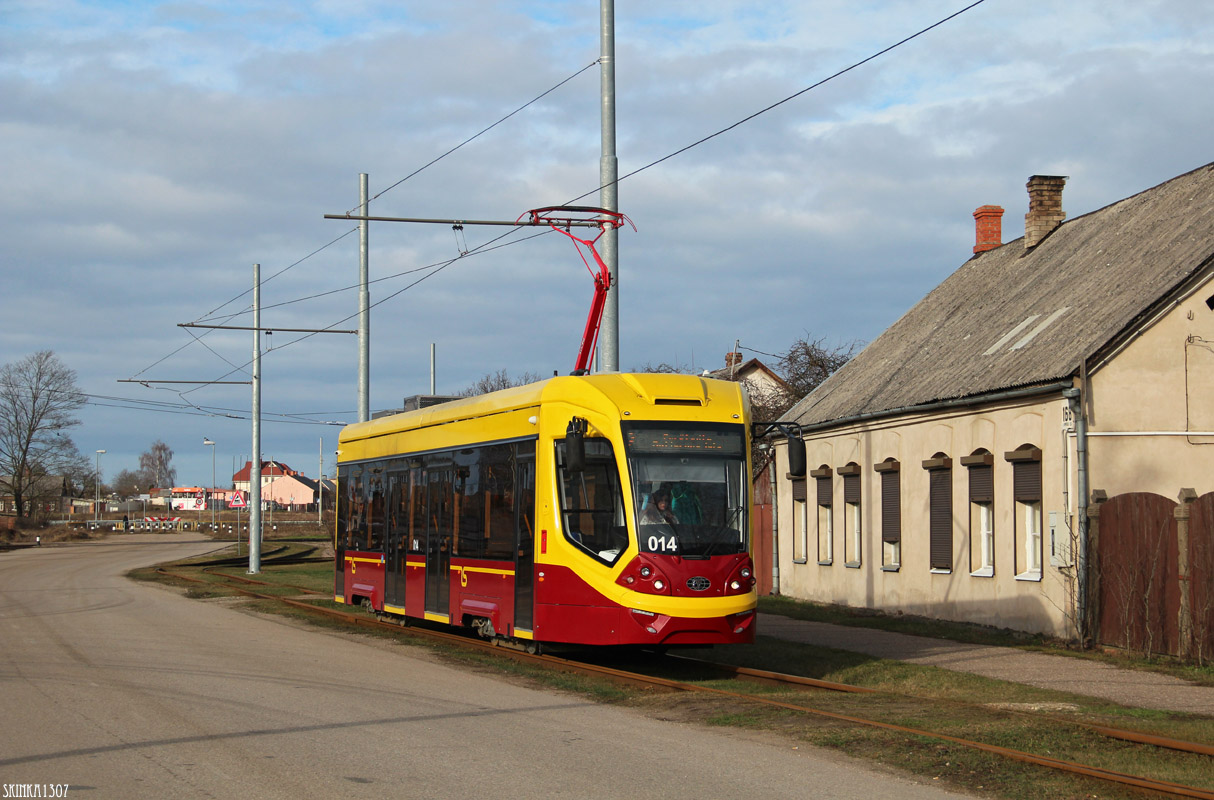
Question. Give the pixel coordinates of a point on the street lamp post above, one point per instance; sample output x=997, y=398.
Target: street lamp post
x=97, y=504
x=211, y=498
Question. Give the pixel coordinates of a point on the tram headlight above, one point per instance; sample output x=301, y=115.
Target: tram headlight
x=646, y=572
x=745, y=572
x=735, y=585
x=659, y=584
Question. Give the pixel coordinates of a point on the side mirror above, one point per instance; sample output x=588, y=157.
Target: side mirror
x=796, y=457
x=575, y=445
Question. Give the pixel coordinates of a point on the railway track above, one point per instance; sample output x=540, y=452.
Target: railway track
x=244, y=584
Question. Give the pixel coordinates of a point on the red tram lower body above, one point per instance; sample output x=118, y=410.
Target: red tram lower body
x=562, y=608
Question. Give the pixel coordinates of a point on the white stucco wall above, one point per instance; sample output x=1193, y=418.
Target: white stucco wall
x=999, y=598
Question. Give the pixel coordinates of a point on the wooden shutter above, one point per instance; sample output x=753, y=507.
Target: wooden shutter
x=851, y=488
x=1026, y=481
x=824, y=492
x=982, y=483
x=799, y=491
x=941, y=519
x=891, y=507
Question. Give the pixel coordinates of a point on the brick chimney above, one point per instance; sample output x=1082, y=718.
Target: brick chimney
x=1045, y=208
x=733, y=359
x=988, y=228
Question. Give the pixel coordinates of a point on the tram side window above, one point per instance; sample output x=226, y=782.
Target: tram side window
x=439, y=505
x=375, y=509
x=417, y=511
x=524, y=494
x=469, y=490
x=356, y=522
x=398, y=511
x=499, y=467
x=592, y=505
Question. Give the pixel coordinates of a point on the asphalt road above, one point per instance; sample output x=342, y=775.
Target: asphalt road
x=124, y=690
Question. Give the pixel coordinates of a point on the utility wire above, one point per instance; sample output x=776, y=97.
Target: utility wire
x=352, y=230
x=437, y=268
x=793, y=96
x=275, y=275
x=484, y=131
x=634, y=172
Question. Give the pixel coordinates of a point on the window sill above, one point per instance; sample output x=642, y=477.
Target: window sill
x=800, y=561
x=852, y=564
x=826, y=563
x=1031, y=575
x=891, y=567
x=984, y=572
x=938, y=571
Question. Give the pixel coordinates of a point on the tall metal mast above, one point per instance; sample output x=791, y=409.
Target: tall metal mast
x=609, y=339
x=364, y=307
x=255, y=464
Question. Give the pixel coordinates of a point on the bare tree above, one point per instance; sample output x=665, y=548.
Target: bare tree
x=492, y=382
x=38, y=399
x=130, y=482
x=808, y=362
x=155, y=464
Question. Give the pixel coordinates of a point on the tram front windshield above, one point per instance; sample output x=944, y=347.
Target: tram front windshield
x=689, y=484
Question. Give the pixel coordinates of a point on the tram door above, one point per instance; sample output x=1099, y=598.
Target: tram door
x=339, y=536
x=439, y=515
x=524, y=563
x=394, y=547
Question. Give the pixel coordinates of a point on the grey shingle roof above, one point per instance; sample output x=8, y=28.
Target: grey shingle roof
x=1009, y=319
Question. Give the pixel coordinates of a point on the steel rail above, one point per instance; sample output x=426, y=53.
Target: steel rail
x=1200, y=748
x=1075, y=768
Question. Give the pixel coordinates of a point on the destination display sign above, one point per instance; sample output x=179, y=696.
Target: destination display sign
x=725, y=440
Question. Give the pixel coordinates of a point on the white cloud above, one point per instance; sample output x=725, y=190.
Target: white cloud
x=154, y=151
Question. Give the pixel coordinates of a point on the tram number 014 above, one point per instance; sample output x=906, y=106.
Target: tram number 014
x=663, y=544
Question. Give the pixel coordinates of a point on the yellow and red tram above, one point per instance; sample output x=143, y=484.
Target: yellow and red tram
x=609, y=509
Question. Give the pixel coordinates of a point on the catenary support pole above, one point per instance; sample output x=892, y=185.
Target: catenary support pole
x=255, y=463
x=609, y=334
x=433, y=367
x=364, y=306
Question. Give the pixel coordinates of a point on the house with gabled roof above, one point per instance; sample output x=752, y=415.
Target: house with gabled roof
x=951, y=465
x=761, y=381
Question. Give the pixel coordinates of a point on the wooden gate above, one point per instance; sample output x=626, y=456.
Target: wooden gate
x=1136, y=573
x=1201, y=577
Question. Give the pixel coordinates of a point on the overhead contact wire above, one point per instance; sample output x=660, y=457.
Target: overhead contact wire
x=779, y=103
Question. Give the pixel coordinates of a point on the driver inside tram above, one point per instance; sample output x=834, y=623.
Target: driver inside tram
x=657, y=510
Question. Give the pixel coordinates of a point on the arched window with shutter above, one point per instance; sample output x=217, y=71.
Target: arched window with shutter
x=940, y=512
x=1026, y=492
x=891, y=514
x=853, y=536
x=980, y=465
x=826, y=515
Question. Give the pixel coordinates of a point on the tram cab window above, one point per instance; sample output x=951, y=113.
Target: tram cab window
x=592, y=505
x=690, y=486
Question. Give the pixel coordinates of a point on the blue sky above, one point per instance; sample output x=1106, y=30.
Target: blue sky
x=153, y=152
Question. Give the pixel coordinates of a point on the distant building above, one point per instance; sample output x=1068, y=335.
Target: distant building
x=762, y=384
x=45, y=496
x=417, y=402
x=282, y=485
